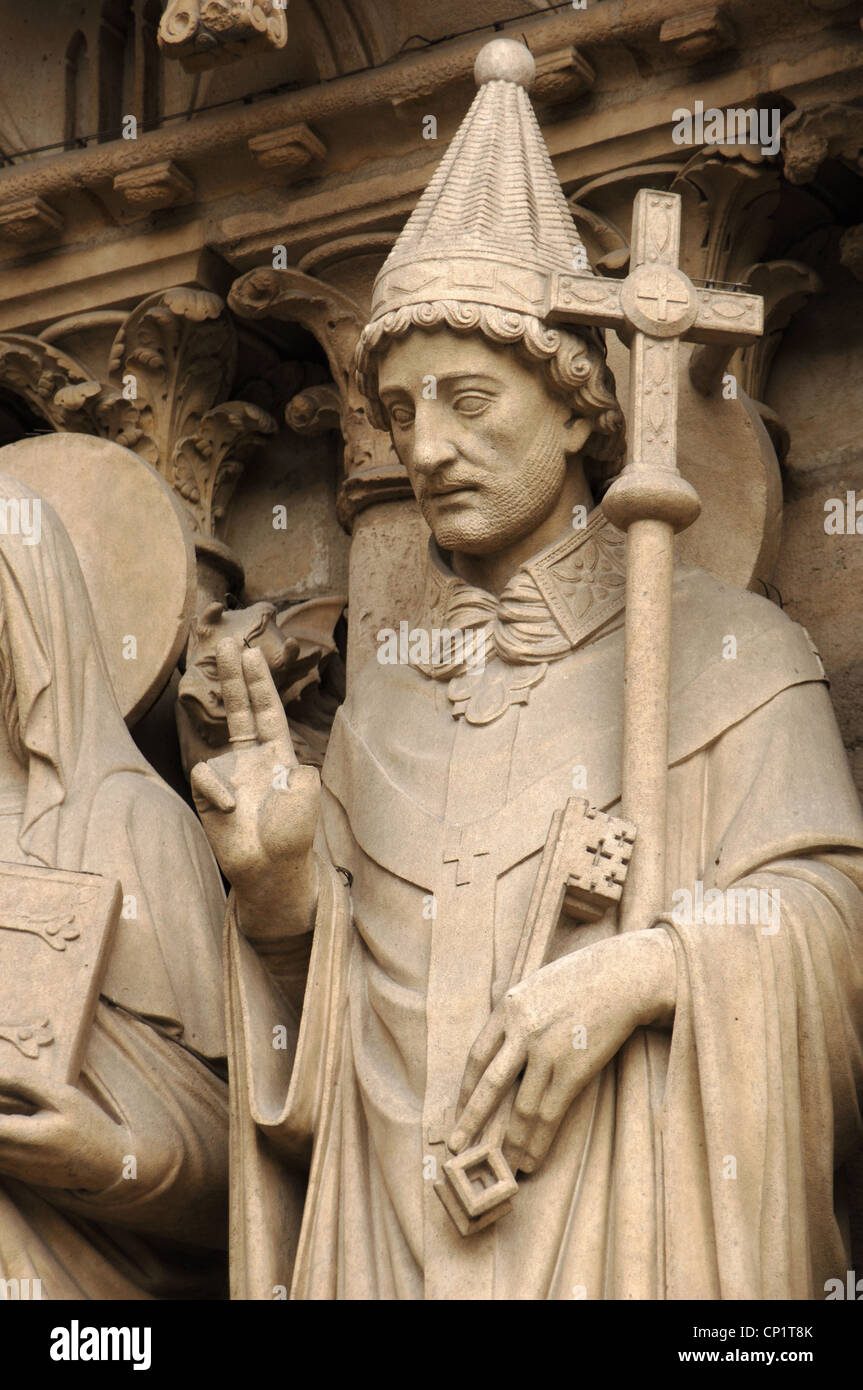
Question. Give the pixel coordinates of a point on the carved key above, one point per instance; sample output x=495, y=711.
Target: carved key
x=584, y=864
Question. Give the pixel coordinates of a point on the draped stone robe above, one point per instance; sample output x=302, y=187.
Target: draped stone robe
x=154, y=1058
x=700, y=1162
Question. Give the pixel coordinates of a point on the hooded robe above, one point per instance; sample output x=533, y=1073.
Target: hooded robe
x=700, y=1162
x=92, y=803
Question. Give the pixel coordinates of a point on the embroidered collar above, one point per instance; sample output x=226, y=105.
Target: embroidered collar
x=552, y=604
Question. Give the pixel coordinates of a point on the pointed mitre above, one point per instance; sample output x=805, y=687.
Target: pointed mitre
x=493, y=226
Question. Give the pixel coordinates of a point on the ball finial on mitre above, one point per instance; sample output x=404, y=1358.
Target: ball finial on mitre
x=505, y=60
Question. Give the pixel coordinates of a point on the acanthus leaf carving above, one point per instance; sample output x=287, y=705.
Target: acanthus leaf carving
x=833, y=130
x=785, y=286
x=208, y=33
x=179, y=349
x=314, y=410
x=729, y=202
x=176, y=356
x=372, y=468
x=732, y=200
x=54, y=384
x=207, y=464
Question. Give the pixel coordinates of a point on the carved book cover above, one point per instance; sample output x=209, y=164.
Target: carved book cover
x=55, y=930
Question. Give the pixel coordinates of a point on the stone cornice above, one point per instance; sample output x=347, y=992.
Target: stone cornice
x=615, y=133
x=633, y=23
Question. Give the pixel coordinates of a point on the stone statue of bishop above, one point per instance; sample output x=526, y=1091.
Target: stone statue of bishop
x=673, y=1101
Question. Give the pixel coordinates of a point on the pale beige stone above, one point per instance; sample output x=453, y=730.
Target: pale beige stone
x=113, y=1116
x=450, y=874
x=207, y=33
x=135, y=549
x=238, y=415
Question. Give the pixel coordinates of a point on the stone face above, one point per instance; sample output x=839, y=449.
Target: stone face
x=311, y=366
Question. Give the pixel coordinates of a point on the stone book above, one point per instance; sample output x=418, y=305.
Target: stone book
x=55, y=932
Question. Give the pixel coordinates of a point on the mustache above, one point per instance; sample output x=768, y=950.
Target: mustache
x=440, y=483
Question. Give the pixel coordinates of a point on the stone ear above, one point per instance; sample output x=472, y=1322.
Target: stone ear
x=577, y=431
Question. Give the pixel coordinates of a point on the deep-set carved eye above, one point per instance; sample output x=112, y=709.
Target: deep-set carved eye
x=401, y=415
x=472, y=405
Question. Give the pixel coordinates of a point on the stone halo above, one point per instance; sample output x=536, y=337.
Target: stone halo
x=135, y=547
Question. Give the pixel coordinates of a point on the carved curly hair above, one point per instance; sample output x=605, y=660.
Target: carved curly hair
x=574, y=364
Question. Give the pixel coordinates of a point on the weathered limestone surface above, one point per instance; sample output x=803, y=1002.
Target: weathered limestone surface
x=204, y=219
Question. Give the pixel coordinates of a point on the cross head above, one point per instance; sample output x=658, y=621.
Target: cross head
x=658, y=305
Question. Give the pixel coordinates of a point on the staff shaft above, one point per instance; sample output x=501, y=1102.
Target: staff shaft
x=647, y=672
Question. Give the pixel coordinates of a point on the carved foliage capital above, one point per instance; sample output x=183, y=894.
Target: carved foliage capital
x=55, y=385
x=336, y=320
x=171, y=364
x=207, y=33
x=831, y=131
x=175, y=358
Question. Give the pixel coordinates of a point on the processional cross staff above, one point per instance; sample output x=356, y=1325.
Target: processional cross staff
x=657, y=307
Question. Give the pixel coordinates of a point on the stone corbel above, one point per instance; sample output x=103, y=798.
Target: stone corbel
x=159, y=185
x=373, y=473
x=30, y=220
x=695, y=36
x=831, y=131
x=562, y=76
x=208, y=33
x=290, y=149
